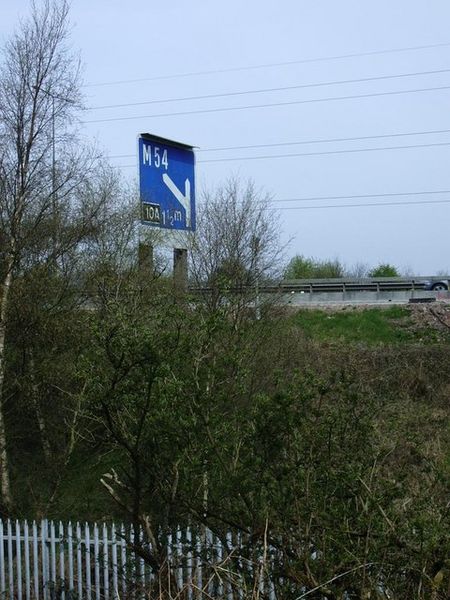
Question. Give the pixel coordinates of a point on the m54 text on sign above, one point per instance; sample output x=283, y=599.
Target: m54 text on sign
x=167, y=183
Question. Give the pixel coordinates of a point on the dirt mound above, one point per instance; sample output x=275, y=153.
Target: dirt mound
x=433, y=316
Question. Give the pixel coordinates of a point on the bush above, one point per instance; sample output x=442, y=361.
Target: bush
x=384, y=270
x=301, y=267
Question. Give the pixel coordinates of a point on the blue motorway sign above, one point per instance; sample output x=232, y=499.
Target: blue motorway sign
x=167, y=184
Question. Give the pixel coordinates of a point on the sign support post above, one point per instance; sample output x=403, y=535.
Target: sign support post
x=145, y=258
x=180, y=269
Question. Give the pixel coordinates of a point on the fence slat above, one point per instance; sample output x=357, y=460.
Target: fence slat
x=219, y=558
x=35, y=544
x=141, y=565
x=62, y=562
x=105, y=563
x=151, y=577
x=2, y=561
x=44, y=557
x=114, y=562
x=189, y=562
x=230, y=566
x=209, y=549
x=79, y=563
x=123, y=558
x=179, y=560
x=18, y=561
x=198, y=567
x=47, y=559
x=87, y=555
x=240, y=565
x=96, y=563
x=26, y=558
x=70, y=555
x=52, y=554
x=10, y=561
x=132, y=561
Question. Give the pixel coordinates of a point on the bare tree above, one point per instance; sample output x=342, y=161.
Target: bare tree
x=237, y=242
x=42, y=216
x=358, y=270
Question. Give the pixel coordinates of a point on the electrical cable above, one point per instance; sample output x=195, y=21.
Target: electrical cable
x=322, y=153
x=355, y=196
x=271, y=65
x=268, y=90
x=317, y=141
x=297, y=154
x=323, y=141
x=369, y=204
x=270, y=105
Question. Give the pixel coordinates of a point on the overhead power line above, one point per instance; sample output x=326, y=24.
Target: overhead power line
x=325, y=141
x=360, y=205
x=271, y=65
x=304, y=142
x=359, y=196
x=322, y=153
x=274, y=89
x=271, y=105
x=325, y=152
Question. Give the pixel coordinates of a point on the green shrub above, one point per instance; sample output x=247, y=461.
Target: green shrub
x=384, y=270
x=302, y=267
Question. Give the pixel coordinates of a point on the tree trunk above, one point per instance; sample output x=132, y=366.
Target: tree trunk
x=45, y=442
x=5, y=486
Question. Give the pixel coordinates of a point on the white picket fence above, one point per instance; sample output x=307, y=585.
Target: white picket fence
x=52, y=561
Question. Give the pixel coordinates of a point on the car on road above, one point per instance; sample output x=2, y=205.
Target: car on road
x=436, y=285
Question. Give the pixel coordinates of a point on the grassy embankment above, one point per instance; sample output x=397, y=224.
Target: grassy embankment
x=372, y=326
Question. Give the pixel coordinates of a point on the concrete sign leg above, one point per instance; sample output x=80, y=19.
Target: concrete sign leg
x=145, y=259
x=180, y=269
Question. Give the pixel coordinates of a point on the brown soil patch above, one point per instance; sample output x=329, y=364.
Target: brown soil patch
x=434, y=316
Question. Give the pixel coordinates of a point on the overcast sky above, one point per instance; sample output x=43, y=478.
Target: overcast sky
x=180, y=49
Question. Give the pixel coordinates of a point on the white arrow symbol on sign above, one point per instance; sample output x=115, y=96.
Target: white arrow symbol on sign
x=183, y=199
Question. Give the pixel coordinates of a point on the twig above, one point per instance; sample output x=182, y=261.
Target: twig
x=319, y=587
